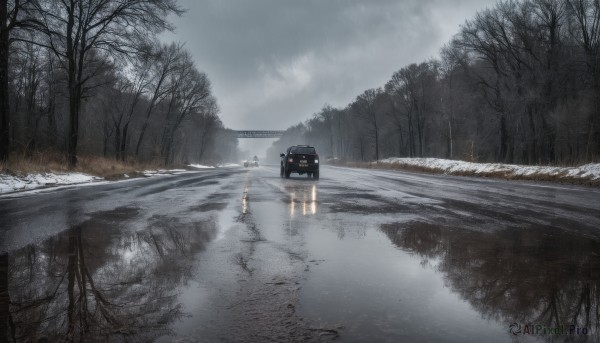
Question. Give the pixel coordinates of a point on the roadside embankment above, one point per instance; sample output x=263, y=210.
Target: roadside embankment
x=588, y=174
x=43, y=171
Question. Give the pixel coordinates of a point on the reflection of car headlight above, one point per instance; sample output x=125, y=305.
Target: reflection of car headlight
x=316, y=161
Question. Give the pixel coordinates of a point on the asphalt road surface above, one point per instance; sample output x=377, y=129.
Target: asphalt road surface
x=359, y=256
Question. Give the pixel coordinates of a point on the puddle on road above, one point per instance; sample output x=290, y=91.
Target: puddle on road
x=539, y=275
x=100, y=281
x=414, y=281
x=302, y=200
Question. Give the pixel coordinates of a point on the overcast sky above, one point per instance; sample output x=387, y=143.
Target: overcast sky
x=273, y=63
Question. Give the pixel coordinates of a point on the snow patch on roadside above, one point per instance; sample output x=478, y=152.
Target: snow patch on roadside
x=10, y=183
x=223, y=165
x=163, y=172
x=200, y=166
x=589, y=171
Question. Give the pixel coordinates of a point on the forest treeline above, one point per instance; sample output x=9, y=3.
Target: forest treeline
x=90, y=77
x=519, y=83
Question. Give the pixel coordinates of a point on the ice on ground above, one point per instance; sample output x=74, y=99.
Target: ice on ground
x=588, y=171
x=200, y=166
x=163, y=172
x=11, y=183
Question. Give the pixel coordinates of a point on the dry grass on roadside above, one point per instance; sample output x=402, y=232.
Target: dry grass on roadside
x=107, y=168
x=557, y=178
x=389, y=166
x=39, y=163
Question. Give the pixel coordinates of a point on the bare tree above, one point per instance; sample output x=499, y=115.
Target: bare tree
x=74, y=29
x=206, y=127
x=4, y=96
x=402, y=106
x=27, y=64
x=14, y=14
x=327, y=114
x=411, y=90
x=586, y=32
x=133, y=89
x=190, y=95
x=486, y=37
x=165, y=63
x=366, y=107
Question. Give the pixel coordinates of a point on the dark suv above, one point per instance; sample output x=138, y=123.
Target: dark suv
x=300, y=159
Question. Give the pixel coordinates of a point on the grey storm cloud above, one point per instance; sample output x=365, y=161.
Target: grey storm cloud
x=273, y=63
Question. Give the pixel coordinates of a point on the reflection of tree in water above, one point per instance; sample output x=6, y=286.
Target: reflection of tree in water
x=535, y=275
x=6, y=324
x=95, y=283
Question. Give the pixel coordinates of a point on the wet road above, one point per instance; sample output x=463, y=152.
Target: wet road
x=358, y=256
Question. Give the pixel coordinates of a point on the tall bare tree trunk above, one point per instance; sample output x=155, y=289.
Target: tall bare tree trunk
x=123, y=146
x=73, y=125
x=533, y=143
x=503, y=140
x=376, y=143
x=73, y=93
x=411, y=138
x=4, y=104
x=144, y=127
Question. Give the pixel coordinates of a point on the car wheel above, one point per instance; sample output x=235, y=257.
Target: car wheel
x=281, y=171
x=287, y=174
x=316, y=175
x=308, y=175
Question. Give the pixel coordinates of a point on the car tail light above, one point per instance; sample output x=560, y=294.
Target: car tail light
x=291, y=160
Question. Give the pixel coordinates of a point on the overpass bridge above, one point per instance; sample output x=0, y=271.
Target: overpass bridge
x=259, y=133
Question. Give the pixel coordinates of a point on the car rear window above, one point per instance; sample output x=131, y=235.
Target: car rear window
x=303, y=150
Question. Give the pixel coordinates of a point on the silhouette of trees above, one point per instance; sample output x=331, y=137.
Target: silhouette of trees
x=15, y=15
x=90, y=77
x=519, y=83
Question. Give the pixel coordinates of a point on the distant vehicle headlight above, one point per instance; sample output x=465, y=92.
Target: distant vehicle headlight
x=291, y=160
x=316, y=161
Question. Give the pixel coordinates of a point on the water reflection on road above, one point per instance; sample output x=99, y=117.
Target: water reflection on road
x=303, y=200
x=95, y=281
x=400, y=271
x=451, y=284
x=540, y=275
x=365, y=258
